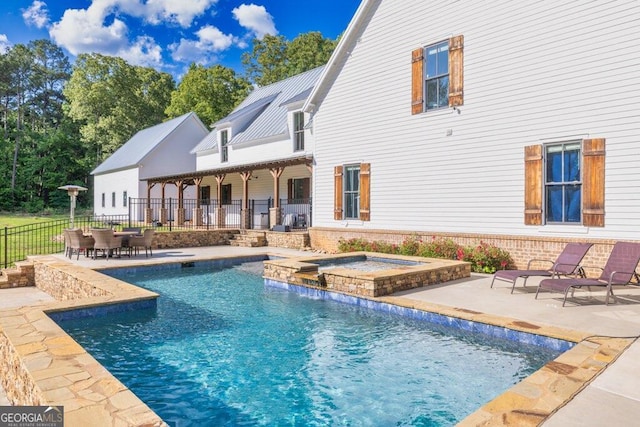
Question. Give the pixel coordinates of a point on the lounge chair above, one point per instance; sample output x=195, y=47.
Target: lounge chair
x=145, y=241
x=567, y=264
x=620, y=269
x=77, y=242
x=106, y=242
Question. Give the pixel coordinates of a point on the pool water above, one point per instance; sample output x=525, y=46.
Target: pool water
x=362, y=263
x=222, y=349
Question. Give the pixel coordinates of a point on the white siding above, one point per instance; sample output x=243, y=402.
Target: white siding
x=533, y=71
x=173, y=155
x=115, y=182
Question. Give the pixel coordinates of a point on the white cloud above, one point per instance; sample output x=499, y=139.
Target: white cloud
x=182, y=12
x=36, y=14
x=84, y=30
x=210, y=41
x=144, y=51
x=256, y=19
x=4, y=44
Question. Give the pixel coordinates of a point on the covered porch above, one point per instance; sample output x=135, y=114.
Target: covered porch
x=273, y=195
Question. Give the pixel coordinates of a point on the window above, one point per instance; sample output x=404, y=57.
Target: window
x=437, y=75
x=564, y=183
x=113, y=199
x=224, y=149
x=563, y=187
x=124, y=199
x=225, y=194
x=205, y=195
x=351, y=189
x=298, y=131
x=352, y=192
x=104, y=202
x=298, y=190
x=436, y=63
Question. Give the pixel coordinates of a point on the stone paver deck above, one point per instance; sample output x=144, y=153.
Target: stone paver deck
x=594, y=384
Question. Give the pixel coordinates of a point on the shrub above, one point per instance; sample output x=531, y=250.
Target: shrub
x=484, y=258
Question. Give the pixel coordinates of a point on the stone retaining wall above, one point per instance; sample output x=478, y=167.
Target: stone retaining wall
x=41, y=365
x=192, y=238
x=291, y=240
x=304, y=272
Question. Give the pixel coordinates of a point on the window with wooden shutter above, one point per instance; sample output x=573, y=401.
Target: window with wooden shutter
x=365, y=190
x=337, y=192
x=593, y=156
x=533, y=185
x=456, y=70
x=437, y=75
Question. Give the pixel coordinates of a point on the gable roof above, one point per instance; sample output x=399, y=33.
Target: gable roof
x=143, y=143
x=263, y=113
x=341, y=53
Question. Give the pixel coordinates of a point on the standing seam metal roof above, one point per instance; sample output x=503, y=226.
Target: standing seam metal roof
x=141, y=144
x=272, y=119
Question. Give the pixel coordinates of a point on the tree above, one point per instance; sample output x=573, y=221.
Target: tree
x=51, y=70
x=113, y=100
x=211, y=93
x=19, y=65
x=274, y=58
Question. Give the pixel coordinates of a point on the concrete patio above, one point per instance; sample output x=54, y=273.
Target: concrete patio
x=612, y=398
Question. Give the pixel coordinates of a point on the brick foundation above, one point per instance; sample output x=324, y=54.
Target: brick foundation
x=521, y=248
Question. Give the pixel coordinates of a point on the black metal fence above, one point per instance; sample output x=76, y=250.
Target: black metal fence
x=47, y=237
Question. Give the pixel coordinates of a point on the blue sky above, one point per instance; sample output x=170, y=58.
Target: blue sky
x=168, y=34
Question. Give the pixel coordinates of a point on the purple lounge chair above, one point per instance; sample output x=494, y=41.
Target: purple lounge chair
x=567, y=264
x=620, y=269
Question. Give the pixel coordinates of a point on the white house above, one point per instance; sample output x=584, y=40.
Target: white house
x=161, y=149
x=515, y=122
x=256, y=162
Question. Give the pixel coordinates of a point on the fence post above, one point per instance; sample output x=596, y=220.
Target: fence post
x=129, y=206
x=170, y=210
x=6, y=250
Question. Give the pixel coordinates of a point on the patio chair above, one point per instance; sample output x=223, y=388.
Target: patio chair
x=567, y=264
x=145, y=241
x=619, y=269
x=106, y=242
x=77, y=242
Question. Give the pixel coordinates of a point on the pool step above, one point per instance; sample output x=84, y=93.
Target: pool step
x=249, y=239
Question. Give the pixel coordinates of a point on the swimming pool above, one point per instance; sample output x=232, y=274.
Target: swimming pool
x=223, y=349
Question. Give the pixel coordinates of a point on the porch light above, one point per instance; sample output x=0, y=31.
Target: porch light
x=72, y=191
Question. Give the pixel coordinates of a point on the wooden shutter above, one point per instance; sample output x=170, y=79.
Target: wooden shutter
x=456, y=70
x=533, y=185
x=337, y=193
x=289, y=190
x=417, y=81
x=365, y=191
x=593, y=153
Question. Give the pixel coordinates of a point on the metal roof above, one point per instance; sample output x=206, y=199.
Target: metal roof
x=141, y=144
x=263, y=113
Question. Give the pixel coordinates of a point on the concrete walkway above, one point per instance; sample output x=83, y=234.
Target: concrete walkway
x=613, y=398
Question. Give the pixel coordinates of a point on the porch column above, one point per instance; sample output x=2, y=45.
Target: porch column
x=219, y=210
x=196, y=218
x=275, y=213
x=245, y=212
x=148, y=212
x=163, y=208
x=179, y=214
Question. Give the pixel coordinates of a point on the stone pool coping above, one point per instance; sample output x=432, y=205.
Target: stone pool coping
x=46, y=366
